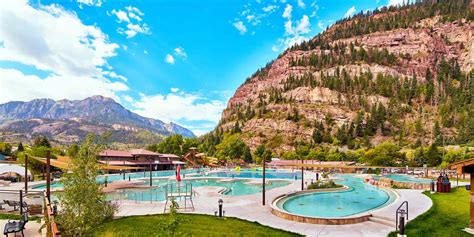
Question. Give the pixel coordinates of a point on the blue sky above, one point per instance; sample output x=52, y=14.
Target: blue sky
x=174, y=60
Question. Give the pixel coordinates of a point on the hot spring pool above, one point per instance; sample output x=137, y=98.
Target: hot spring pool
x=236, y=187
x=359, y=198
x=404, y=178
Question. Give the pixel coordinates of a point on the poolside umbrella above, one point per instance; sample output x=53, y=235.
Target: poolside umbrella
x=178, y=175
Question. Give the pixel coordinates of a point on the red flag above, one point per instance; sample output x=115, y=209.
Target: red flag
x=178, y=175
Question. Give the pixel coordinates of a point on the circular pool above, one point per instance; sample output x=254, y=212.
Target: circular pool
x=357, y=198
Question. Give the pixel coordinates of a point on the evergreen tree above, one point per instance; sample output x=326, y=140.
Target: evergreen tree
x=317, y=136
x=20, y=147
x=248, y=155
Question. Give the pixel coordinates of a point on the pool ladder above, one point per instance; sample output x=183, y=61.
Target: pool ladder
x=403, y=212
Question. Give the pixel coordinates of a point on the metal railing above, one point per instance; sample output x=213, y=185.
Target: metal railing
x=402, y=212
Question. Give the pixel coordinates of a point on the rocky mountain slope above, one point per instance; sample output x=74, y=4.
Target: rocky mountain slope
x=67, y=121
x=402, y=74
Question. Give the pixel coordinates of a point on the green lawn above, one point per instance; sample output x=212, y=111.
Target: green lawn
x=447, y=217
x=189, y=225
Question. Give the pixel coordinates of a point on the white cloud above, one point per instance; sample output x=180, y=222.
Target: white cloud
x=287, y=12
x=169, y=59
x=303, y=26
x=321, y=25
x=131, y=16
x=133, y=29
x=127, y=98
x=350, y=12
x=145, y=52
x=121, y=16
x=179, y=106
x=397, y=2
x=289, y=28
x=275, y=48
x=315, y=7
x=52, y=39
x=295, y=33
x=115, y=75
x=134, y=16
x=134, y=10
x=270, y=8
x=301, y=4
x=179, y=51
x=239, y=25
x=16, y=86
x=125, y=47
x=96, y=3
x=174, y=89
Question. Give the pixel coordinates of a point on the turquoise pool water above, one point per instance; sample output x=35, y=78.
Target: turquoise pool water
x=405, y=178
x=134, y=175
x=53, y=185
x=157, y=193
x=247, y=173
x=359, y=198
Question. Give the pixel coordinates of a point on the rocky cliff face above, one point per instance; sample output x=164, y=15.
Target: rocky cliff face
x=69, y=121
x=325, y=84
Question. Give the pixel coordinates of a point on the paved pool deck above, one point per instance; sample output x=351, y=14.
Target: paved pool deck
x=249, y=207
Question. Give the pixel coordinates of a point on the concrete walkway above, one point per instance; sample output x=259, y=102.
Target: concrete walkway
x=249, y=207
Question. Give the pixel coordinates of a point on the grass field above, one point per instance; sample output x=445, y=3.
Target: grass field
x=447, y=217
x=189, y=225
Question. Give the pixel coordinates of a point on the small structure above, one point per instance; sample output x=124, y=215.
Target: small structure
x=12, y=170
x=467, y=167
x=140, y=158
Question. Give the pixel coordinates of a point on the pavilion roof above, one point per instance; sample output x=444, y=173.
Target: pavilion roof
x=143, y=152
x=115, y=153
x=462, y=163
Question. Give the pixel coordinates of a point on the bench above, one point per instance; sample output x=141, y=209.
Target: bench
x=16, y=204
x=16, y=226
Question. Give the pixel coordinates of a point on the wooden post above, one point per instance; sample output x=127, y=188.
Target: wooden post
x=302, y=175
x=472, y=200
x=21, y=202
x=26, y=173
x=48, y=175
x=263, y=184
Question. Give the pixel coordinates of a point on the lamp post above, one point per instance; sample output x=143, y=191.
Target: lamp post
x=220, y=202
x=55, y=207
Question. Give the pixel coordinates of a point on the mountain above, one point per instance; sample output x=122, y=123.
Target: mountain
x=67, y=121
x=401, y=74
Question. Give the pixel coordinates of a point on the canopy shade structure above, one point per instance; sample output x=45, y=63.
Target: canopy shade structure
x=467, y=167
x=12, y=168
x=64, y=162
x=463, y=166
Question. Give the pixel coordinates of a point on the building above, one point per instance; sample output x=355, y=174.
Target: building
x=140, y=158
x=467, y=167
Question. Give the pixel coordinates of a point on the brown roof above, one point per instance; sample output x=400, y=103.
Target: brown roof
x=143, y=152
x=462, y=163
x=115, y=153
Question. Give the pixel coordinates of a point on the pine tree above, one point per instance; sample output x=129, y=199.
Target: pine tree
x=317, y=136
x=20, y=147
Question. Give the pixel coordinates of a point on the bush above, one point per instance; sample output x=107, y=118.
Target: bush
x=324, y=185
